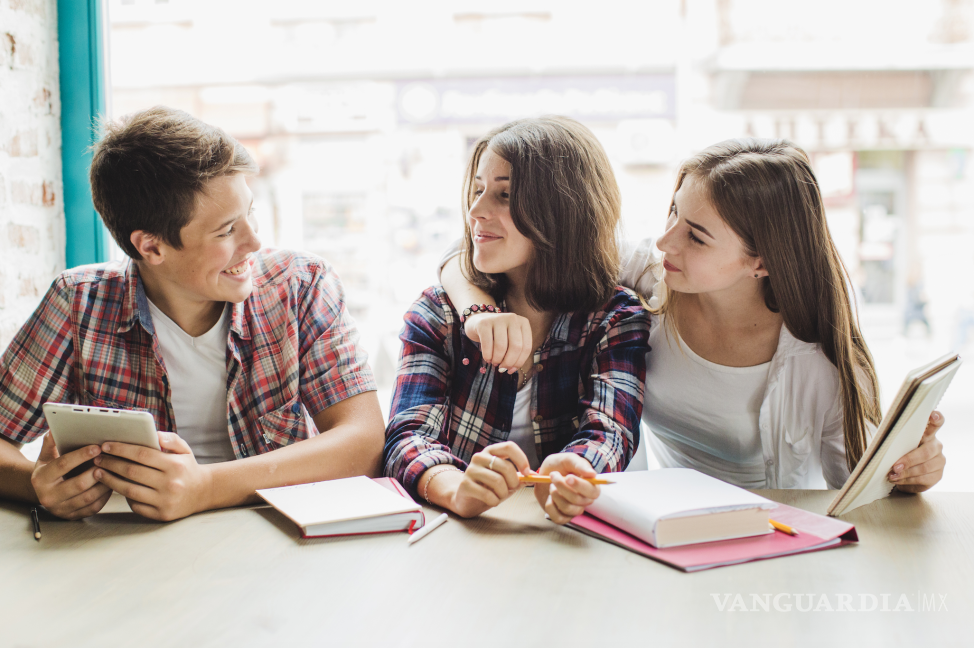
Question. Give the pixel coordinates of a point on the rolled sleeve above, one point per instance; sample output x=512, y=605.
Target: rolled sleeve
x=333, y=364
x=417, y=437
x=37, y=367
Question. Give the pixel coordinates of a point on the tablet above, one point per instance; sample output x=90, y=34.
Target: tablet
x=77, y=426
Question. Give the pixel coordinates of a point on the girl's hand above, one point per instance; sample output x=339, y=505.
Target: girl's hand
x=567, y=496
x=490, y=478
x=504, y=338
x=920, y=469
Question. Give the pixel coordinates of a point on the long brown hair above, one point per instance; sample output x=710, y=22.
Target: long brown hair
x=565, y=200
x=766, y=192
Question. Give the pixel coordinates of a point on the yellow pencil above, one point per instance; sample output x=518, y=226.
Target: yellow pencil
x=784, y=528
x=545, y=479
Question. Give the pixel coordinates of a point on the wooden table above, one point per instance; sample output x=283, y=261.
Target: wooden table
x=243, y=577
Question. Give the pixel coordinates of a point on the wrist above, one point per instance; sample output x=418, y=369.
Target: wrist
x=478, y=309
x=208, y=490
x=440, y=485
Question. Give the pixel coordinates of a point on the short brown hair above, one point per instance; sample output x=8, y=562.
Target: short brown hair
x=150, y=168
x=565, y=200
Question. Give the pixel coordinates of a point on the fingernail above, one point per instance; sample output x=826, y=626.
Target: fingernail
x=98, y=474
x=897, y=468
x=502, y=370
x=571, y=480
x=107, y=447
x=92, y=451
x=97, y=461
x=935, y=416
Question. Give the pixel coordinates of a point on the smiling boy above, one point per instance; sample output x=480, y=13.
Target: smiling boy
x=247, y=357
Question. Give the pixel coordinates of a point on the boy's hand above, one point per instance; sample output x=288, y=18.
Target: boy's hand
x=73, y=498
x=165, y=485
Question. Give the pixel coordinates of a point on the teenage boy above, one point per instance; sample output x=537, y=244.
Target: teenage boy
x=230, y=346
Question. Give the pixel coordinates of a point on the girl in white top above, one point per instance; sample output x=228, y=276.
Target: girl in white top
x=758, y=373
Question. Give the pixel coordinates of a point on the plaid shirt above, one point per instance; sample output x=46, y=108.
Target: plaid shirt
x=91, y=341
x=587, y=396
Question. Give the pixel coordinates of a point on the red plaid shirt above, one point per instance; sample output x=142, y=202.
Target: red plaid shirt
x=587, y=396
x=91, y=341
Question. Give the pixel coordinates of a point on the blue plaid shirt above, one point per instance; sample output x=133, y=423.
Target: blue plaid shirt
x=586, y=398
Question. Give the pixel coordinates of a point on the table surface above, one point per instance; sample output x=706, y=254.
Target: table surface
x=244, y=577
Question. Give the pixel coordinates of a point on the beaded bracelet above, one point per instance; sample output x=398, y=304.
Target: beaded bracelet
x=471, y=311
x=446, y=468
x=479, y=308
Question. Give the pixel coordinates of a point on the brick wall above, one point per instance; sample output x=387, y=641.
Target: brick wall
x=31, y=204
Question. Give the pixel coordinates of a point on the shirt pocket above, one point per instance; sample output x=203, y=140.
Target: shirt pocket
x=284, y=425
x=94, y=401
x=798, y=442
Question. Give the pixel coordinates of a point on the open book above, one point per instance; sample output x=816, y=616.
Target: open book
x=347, y=506
x=899, y=432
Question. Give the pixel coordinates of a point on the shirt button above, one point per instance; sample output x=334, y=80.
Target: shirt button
x=538, y=418
x=296, y=408
x=770, y=462
x=539, y=367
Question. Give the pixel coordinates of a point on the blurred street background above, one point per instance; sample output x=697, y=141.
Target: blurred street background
x=361, y=115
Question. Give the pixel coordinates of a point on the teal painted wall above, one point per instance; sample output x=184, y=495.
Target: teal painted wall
x=82, y=62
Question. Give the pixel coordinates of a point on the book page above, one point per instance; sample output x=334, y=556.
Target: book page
x=332, y=501
x=904, y=437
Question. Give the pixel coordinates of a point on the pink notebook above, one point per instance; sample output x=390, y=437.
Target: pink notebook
x=816, y=532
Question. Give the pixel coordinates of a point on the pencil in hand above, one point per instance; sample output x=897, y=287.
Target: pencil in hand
x=545, y=479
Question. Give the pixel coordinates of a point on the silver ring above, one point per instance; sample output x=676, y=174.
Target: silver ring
x=490, y=466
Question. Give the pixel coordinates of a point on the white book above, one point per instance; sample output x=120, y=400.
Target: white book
x=679, y=506
x=347, y=506
x=898, y=433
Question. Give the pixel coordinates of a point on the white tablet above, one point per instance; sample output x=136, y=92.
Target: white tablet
x=77, y=426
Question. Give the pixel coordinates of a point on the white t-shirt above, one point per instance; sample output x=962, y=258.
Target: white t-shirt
x=522, y=428
x=197, y=370
x=800, y=423
x=704, y=415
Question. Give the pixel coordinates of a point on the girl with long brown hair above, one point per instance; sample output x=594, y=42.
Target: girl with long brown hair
x=541, y=209
x=759, y=374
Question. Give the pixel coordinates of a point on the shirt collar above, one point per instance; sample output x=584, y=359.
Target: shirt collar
x=561, y=328
x=238, y=322
x=135, y=305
